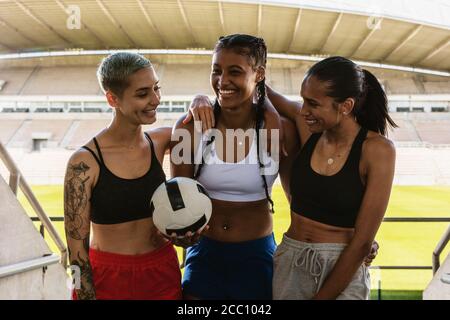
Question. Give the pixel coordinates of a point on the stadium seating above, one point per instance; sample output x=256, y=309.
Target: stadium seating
x=84, y=131
x=436, y=87
x=7, y=129
x=15, y=80
x=54, y=130
x=404, y=132
x=402, y=86
x=435, y=132
x=62, y=81
x=185, y=79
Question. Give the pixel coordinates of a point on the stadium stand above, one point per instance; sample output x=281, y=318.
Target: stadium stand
x=15, y=79
x=62, y=81
x=422, y=141
x=433, y=131
x=185, y=79
x=8, y=128
x=84, y=131
x=50, y=130
x=423, y=127
x=402, y=86
x=404, y=132
x=281, y=79
x=436, y=87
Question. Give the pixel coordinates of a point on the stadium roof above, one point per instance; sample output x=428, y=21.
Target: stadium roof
x=403, y=33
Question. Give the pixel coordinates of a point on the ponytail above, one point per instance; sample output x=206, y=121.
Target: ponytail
x=372, y=111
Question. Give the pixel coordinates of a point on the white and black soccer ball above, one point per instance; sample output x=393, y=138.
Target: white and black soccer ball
x=180, y=205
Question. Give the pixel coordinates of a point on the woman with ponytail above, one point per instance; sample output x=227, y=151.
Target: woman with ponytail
x=233, y=259
x=340, y=183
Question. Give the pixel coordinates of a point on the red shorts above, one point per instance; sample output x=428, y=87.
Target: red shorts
x=151, y=276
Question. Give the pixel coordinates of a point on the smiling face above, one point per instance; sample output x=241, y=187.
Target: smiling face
x=140, y=99
x=320, y=111
x=233, y=78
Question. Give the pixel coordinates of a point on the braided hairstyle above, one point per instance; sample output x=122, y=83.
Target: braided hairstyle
x=255, y=49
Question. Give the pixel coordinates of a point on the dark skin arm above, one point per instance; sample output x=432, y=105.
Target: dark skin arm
x=201, y=109
x=292, y=147
x=287, y=108
x=181, y=165
x=380, y=175
x=77, y=191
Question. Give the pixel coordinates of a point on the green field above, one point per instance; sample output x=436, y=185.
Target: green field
x=401, y=244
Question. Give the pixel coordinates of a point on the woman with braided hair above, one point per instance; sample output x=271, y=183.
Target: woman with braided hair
x=233, y=258
x=338, y=185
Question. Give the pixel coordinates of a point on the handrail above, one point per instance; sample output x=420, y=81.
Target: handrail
x=439, y=248
x=17, y=180
x=32, y=264
x=446, y=278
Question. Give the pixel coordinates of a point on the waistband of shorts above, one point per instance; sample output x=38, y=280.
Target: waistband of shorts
x=152, y=257
x=269, y=239
x=337, y=247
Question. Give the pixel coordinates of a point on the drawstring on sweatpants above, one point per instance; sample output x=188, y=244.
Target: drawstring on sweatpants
x=309, y=258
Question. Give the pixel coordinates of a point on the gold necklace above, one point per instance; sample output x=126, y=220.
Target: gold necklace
x=331, y=159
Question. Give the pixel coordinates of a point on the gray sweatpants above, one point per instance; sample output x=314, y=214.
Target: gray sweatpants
x=300, y=269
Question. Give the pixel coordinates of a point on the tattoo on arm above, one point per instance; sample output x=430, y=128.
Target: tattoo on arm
x=77, y=227
x=75, y=198
x=87, y=291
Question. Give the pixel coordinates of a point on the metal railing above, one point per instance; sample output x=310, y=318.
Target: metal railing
x=16, y=181
x=436, y=253
x=446, y=278
x=439, y=248
x=28, y=265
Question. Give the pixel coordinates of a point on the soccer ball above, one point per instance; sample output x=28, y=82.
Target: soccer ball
x=180, y=205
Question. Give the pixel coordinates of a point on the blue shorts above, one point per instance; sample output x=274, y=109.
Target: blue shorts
x=223, y=270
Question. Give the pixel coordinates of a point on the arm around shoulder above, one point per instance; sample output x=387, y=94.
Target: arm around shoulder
x=292, y=144
x=182, y=146
x=288, y=108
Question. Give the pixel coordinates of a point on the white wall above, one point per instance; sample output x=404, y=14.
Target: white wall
x=19, y=242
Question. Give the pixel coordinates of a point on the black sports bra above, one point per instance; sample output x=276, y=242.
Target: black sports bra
x=334, y=200
x=117, y=200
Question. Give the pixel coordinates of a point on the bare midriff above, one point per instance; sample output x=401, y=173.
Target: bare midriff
x=129, y=238
x=307, y=230
x=239, y=221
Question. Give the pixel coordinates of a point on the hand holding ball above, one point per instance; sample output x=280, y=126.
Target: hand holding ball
x=180, y=205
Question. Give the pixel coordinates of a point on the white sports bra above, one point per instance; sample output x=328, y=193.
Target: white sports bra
x=240, y=181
